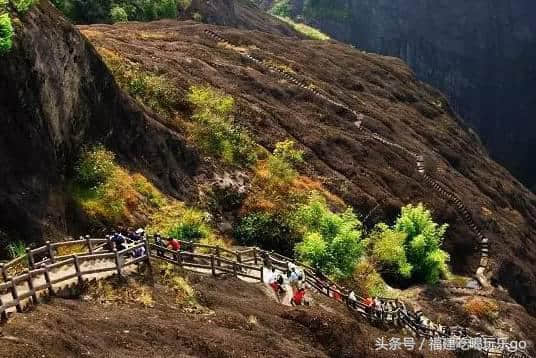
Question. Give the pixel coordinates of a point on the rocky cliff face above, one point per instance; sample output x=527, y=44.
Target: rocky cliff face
x=55, y=96
x=481, y=53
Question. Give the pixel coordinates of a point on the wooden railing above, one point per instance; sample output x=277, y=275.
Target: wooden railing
x=30, y=284
x=215, y=261
x=46, y=254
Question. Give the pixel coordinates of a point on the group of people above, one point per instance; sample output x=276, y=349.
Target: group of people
x=121, y=241
x=296, y=280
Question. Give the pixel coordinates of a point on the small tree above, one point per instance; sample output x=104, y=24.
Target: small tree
x=118, y=14
x=331, y=241
x=412, y=247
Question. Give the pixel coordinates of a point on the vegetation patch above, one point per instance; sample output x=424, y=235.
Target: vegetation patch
x=108, y=292
x=108, y=193
x=281, y=8
x=22, y=6
x=482, y=308
x=93, y=11
x=411, y=248
x=16, y=249
x=171, y=276
x=331, y=242
x=367, y=281
x=180, y=222
x=213, y=128
x=307, y=30
x=269, y=231
x=6, y=34
x=154, y=91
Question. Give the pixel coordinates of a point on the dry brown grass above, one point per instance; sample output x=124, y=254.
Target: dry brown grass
x=71, y=249
x=482, y=308
x=106, y=292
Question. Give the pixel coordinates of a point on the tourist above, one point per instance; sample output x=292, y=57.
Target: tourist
x=294, y=279
x=159, y=242
x=352, y=300
x=298, y=298
x=173, y=244
x=119, y=241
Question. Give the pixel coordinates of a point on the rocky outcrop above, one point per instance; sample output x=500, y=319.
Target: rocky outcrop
x=56, y=95
x=481, y=53
x=242, y=14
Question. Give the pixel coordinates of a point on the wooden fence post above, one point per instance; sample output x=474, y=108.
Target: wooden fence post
x=118, y=262
x=77, y=268
x=212, y=265
x=15, y=295
x=47, y=280
x=50, y=252
x=30, y=258
x=4, y=272
x=234, y=269
x=3, y=313
x=89, y=246
x=31, y=287
x=255, y=255
x=179, y=258
x=262, y=274
x=239, y=258
x=218, y=254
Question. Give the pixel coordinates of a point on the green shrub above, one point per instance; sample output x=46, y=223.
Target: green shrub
x=281, y=170
x=109, y=194
x=16, y=249
x=3, y=6
x=22, y=6
x=331, y=241
x=180, y=222
x=412, y=246
x=389, y=251
x=266, y=230
x=95, y=166
x=281, y=8
x=6, y=34
x=214, y=130
x=308, y=31
x=154, y=91
x=118, y=14
x=184, y=4
x=166, y=9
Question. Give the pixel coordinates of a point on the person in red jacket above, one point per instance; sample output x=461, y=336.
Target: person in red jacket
x=173, y=244
x=298, y=298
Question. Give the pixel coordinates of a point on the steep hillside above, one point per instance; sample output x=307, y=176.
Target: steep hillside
x=57, y=95
x=362, y=172
x=480, y=53
x=229, y=318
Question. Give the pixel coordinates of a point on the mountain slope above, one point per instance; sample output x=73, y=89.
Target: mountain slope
x=364, y=173
x=480, y=53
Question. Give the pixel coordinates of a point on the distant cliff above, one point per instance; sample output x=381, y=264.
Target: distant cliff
x=481, y=53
